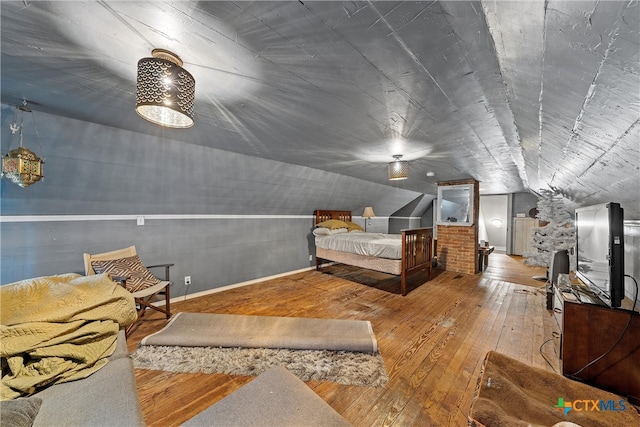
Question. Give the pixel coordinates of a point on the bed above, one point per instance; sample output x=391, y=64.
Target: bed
x=408, y=253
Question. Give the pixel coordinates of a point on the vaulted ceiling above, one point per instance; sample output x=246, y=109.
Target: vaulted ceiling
x=521, y=95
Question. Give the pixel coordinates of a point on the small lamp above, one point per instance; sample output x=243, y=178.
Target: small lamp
x=398, y=169
x=21, y=166
x=367, y=215
x=165, y=91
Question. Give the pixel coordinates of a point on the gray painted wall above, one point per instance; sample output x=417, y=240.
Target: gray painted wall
x=523, y=202
x=410, y=216
x=214, y=252
x=229, y=218
x=426, y=220
x=396, y=225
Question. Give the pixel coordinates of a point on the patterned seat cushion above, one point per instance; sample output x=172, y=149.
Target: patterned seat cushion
x=137, y=275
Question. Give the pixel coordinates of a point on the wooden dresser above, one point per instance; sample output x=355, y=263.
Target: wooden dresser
x=592, y=332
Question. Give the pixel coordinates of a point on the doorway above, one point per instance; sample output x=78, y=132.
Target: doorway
x=493, y=221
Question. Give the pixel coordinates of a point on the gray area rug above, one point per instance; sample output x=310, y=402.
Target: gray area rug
x=234, y=330
x=275, y=398
x=342, y=367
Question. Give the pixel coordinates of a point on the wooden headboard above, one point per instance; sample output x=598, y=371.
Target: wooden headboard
x=326, y=215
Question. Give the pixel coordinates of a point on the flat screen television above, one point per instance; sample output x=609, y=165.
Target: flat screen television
x=600, y=250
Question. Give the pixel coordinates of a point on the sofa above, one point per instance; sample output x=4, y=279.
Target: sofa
x=108, y=397
x=64, y=353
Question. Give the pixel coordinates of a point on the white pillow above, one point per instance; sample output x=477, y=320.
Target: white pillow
x=322, y=231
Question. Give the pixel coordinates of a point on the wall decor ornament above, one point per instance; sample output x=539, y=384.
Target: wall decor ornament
x=165, y=91
x=21, y=165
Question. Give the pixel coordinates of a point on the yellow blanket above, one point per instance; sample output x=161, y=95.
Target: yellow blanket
x=56, y=329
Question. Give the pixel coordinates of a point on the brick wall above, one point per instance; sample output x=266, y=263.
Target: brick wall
x=457, y=247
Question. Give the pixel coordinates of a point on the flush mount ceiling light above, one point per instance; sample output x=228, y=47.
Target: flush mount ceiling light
x=165, y=91
x=21, y=166
x=398, y=169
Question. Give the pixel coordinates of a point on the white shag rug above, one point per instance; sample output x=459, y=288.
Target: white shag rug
x=342, y=367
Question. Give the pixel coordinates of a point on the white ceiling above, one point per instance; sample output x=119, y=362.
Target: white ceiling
x=519, y=95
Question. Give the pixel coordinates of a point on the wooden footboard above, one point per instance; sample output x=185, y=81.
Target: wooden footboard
x=416, y=253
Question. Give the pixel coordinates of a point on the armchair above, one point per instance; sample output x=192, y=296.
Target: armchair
x=125, y=267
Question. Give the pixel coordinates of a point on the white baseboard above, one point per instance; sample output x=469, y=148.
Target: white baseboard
x=238, y=285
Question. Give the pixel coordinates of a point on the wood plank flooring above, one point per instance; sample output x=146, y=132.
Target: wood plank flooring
x=433, y=340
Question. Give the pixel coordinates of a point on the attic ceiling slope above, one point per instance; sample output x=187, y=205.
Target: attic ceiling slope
x=517, y=95
x=583, y=67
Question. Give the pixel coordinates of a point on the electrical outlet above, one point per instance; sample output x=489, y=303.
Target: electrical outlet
x=310, y=257
x=140, y=220
x=187, y=280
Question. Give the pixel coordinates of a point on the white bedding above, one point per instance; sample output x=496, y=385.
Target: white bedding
x=369, y=244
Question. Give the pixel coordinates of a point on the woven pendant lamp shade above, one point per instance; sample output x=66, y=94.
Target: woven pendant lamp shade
x=165, y=91
x=398, y=169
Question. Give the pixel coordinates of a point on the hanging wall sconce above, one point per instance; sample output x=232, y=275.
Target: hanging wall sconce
x=165, y=91
x=398, y=169
x=21, y=166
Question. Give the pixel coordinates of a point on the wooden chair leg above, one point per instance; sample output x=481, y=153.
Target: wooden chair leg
x=131, y=328
x=147, y=303
x=167, y=306
x=144, y=303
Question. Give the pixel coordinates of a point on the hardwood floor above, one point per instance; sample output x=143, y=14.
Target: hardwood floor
x=433, y=340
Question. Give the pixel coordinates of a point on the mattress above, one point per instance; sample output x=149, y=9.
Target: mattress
x=368, y=244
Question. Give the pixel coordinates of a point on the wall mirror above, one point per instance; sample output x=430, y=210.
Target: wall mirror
x=455, y=205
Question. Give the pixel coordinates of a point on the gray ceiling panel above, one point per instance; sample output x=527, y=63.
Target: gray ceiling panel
x=518, y=95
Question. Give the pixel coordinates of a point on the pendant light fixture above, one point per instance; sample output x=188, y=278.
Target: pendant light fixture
x=165, y=91
x=21, y=166
x=398, y=169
